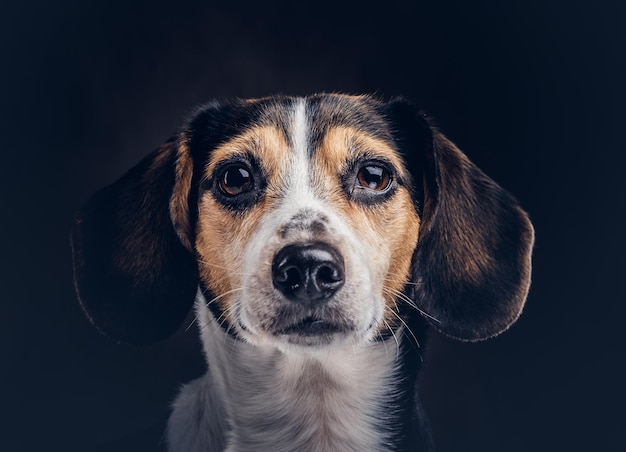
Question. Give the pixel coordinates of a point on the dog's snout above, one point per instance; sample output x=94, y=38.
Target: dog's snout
x=309, y=273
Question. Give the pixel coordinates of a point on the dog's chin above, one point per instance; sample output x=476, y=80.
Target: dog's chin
x=311, y=332
x=308, y=333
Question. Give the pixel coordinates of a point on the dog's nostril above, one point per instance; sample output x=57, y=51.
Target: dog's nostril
x=289, y=276
x=327, y=274
x=308, y=273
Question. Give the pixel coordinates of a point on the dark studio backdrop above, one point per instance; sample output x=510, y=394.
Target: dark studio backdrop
x=531, y=90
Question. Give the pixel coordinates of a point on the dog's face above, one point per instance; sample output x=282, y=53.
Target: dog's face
x=306, y=222
x=306, y=227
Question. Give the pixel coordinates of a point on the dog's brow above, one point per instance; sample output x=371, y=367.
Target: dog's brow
x=328, y=112
x=276, y=113
x=344, y=144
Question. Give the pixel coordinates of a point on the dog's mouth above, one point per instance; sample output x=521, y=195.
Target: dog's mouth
x=311, y=331
x=310, y=326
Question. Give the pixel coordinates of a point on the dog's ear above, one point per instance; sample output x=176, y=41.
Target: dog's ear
x=134, y=270
x=471, y=267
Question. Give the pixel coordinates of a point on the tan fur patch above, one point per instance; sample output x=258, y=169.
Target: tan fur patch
x=222, y=234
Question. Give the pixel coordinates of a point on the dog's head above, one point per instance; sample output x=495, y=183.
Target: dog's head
x=304, y=221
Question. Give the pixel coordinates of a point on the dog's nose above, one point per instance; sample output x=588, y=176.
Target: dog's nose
x=308, y=273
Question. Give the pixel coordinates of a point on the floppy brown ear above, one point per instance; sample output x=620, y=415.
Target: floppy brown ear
x=472, y=263
x=135, y=279
x=471, y=267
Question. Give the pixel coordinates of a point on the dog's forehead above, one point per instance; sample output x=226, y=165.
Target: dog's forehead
x=360, y=113
x=321, y=112
x=317, y=115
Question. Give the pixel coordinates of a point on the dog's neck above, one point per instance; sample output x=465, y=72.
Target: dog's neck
x=253, y=398
x=328, y=400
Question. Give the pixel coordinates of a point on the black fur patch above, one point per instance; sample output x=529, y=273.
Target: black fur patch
x=134, y=278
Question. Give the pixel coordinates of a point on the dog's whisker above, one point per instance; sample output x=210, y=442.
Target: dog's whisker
x=392, y=309
x=203, y=326
x=228, y=292
x=410, y=302
x=232, y=313
x=194, y=320
x=404, y=297
x=404, y=281
x=410, y=332
x=208, y=303
x=220, y=321
x=395, y=338
x=382, y=338
x=229, y=269
x=222, y=317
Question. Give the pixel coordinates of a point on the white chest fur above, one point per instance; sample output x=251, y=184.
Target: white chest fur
x=255, y=398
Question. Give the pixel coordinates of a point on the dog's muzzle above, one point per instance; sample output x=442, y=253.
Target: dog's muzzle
x=308, y=274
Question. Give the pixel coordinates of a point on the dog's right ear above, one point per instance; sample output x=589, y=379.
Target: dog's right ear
x=134, y=268
x=471, y=266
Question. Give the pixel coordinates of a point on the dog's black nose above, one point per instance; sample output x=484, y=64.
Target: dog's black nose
x=308, y=273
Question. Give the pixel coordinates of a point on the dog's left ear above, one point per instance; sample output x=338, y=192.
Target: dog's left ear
x=134, y=268
x=471, y=267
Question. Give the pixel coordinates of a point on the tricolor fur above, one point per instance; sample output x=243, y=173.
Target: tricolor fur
x=318, y=237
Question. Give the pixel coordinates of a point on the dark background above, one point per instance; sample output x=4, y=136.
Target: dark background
x=531, y=90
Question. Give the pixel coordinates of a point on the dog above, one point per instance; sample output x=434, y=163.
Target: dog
x=319, y=238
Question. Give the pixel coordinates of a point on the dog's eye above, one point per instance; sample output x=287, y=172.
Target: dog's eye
x=235, y=180
x=373, y=177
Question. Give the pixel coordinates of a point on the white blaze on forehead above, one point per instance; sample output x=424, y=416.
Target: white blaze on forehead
x=299, y=179
x=299, y=130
